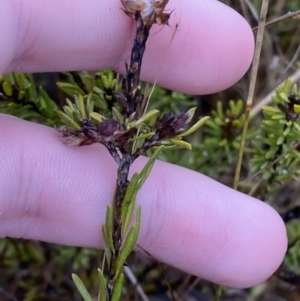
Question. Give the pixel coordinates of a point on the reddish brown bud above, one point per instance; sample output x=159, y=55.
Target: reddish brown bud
x=171, y=125
x=108, y=127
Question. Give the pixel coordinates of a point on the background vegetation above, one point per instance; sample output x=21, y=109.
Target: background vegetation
x=32, y=270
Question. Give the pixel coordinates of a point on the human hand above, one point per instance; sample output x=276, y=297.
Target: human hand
x=57, y=194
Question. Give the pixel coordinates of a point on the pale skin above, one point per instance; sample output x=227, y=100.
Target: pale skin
x=58, y=194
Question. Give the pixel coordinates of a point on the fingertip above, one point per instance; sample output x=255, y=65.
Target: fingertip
x=260, y=246
x=210, y=230
x=211, y=50
x=7, y=34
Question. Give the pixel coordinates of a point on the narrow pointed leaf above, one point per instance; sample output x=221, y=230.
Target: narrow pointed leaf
x=109, y=227
x=143, y=175
x=6, y=86
x=97, y=116
x=70, y=89
x=190, y=113
x=69, y=111
x=102, y=286
x=67, y=120
x=130, y=242
x=117, y=115
x=220, y=109
x=146, y=117
x=129, y=202
x=195, y=127
x=89, y=104
x=117, y=291
x=80, y=105
x=181, y=143
x=107, y=248
x=81, y=288
x=143, y=136
x=50, y=103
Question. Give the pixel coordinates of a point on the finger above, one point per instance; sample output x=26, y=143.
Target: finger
x=58, y=194
x=211, y=50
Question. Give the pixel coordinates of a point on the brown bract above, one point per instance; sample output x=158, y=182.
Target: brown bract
x=152, y=11
x=171, y=125
x=107, y=131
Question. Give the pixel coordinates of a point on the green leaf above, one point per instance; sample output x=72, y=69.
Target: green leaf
x=70, y=89
x=143, y=175
x=21, y=95
x=129, y=202
x=296, y=126
x=286, y=86
x=108, y=80
x=220, y=109
x=280, y=140
x=195, y=127
x=7, y=88
x=117, y=115
x=81, y=288
x=277, y=116
x=22, y=81
x=102, y=286
x=80, y=105
x=68, y=120
x=69, y=111
x=130, y=242
x=31, y=92
x=117, y=291
x=109, y=227
x=271, y=153
x=146, y=117
x=284, y=96
x=181, y=143
x=107, y=249
x=50, y=105
x=238, y=107
x=270, y=109
x=296, y=108
x=286, y=131
x=97, y=116
x=143, y=136
x=90, y=104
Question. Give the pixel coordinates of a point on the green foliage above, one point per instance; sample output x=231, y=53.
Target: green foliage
x=292, y=259
x=222, y=135
x=81, y=288
x=20, y=97
x=276, y=140
x=274, y=150
x=166, y=100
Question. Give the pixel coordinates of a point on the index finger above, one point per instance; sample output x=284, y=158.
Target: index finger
x=211, y=50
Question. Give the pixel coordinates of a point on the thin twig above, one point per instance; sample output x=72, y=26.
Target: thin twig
x=170, y=289
x=292, y=61
x=253, y=75
x=135, y=282
x=146, y=100
x=252, y=9
x=279, y=19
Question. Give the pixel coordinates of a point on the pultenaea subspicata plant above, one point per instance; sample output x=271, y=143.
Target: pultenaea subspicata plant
x=127, y=133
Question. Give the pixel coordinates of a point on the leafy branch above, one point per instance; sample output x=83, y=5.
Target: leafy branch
x=127, y=133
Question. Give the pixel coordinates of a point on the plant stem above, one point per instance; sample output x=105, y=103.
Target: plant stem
x=253, y=76
x=132, y=92
x=131, y=82
x=121, y=188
